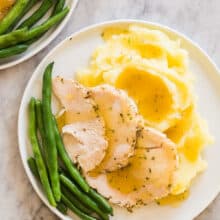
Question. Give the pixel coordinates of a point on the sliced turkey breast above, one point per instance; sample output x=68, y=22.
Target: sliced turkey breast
x=121, y=121
x=84, y=133
x=147, y=177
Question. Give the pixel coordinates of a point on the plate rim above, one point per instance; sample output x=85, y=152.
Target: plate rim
x=45, y=43
x=84, y=29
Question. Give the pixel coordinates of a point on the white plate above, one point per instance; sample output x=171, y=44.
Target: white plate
x=42, y=42
x=74, y=53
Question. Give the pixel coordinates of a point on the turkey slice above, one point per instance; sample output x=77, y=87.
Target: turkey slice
x=148, y=176
x=120, y=116
x=84, y=133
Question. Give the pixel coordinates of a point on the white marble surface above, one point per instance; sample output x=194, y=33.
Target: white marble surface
x=199, y=19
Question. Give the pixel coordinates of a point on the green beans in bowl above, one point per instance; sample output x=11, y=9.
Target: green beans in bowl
x=29, y=26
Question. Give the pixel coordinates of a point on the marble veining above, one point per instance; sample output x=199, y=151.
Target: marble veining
x=198, y=19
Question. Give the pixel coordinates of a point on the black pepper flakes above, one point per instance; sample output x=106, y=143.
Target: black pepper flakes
x=88, y=95
x=158, y=203
x=122, y=117
x=95, y=107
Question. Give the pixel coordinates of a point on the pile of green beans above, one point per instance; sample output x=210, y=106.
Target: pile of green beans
x=63, y=184
x=14, y=40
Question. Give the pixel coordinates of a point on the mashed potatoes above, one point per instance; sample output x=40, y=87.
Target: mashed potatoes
x=153, y=70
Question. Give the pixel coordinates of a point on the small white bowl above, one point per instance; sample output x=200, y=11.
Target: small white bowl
x=42, y=42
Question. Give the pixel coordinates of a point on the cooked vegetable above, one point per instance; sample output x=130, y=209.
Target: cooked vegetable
x=39, y=30
x=12, y=15
x=10, y=39
x=82, y=197
x=40, y=127
x=40, y=35
x=74, y=173
x=58, y=7
x=100, y=200
x=29, y=5
x=33, y=167
x=75, y=201
x=104, y=205
x=11, y=51
x=51, y=151
x=23, y=34
x=37, y=154
x=62, y=207
x=75, y=209
x=37, y=15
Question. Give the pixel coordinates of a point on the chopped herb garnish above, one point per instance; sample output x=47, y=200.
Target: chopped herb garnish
x=95, y=107
x=112, y=130
x=88, y=94
x=122, y=117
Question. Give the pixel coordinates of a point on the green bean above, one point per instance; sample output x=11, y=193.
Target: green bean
x=104, y=205
x=10, y=39
x=12, y=15
x=75, y=201
x=72, y=207
x=33, y=167
x=40, y=127
x=23, y=34
x=39, y=30
x=99, y=199
x=51, y=151
x=72, y=170
x=82, y=197
x=37, y=154
x=37, y=15
x=37, y=38
x=29, y=5
x=62, y=208
x=14, y=50
x=58, y=7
